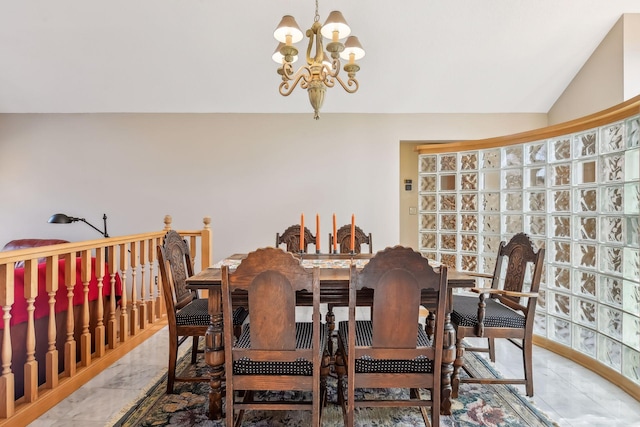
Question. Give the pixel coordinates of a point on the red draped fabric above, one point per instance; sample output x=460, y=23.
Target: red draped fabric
x=19, y=308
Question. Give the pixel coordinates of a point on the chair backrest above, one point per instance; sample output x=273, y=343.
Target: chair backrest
x=516, y=258
x=271, y=277
x=401, y=279
x=291, y=238
x=175, y=266
x=343, y=238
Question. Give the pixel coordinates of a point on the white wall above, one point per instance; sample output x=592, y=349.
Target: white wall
x=610, y=76
x=598, y=84
x=253, y=174
x=631, y=37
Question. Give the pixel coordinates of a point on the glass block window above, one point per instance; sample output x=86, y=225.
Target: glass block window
x=577, y=195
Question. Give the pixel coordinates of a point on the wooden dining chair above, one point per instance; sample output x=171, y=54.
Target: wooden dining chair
x=187, y=314
x=343, y=239
x=392, y=350
x=274, y=352
x=291, y=238
x=508, y=312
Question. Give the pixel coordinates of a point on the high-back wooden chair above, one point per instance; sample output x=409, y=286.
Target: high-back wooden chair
x=392, y=350
x=507, y=313
x=291, y=238
x=343, y=239
x=274, y=352
x=187, y=315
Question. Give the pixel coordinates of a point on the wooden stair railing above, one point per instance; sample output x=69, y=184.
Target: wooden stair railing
x=104, y=332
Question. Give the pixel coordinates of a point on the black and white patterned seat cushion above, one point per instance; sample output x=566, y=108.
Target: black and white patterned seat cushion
x=465, y=313
x=194, y=313
x=304, y=334
x=239, y=315
x=364, y=337
x=197, y=313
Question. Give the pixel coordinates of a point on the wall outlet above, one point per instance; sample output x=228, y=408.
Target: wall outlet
x=413, y=210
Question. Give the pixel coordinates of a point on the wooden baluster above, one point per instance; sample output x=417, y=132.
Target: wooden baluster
x=85, y=337
x=134, y=321
x=142, y=305
x=192, y=251
x=112, y=331
x=51, y=370
x=7, y=380
x=205, y=243
x=70, y=342
x=124, y=323
x=167, y=227
x=153, y=302
x=205, y=248
x=99, y=333
x=31, y=364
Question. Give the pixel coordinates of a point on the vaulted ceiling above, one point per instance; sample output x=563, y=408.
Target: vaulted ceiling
x=422, y=56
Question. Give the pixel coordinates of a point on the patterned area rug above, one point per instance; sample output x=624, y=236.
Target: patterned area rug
x=478, y=405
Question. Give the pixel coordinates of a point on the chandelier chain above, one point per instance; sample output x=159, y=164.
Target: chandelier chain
x=317, y=17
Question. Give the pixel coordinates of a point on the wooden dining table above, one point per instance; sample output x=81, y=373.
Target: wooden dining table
x=334, y=289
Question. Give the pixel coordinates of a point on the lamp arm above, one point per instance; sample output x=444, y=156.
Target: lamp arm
x=104, y=218
x=104, y=233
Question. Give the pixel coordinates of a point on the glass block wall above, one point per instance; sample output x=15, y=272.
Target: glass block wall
x=578, y=196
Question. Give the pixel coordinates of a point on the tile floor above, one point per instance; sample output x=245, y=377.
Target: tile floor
x=570, y=394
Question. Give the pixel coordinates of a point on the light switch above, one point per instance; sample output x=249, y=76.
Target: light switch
x=413, y=210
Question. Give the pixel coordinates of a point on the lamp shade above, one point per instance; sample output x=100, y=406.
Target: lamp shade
x=352, y=45
x=277, y=56
x=335, y=22
x=288, y=27
x=60, y=218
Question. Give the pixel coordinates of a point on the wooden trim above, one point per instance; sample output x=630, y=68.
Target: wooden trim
x=604, y=371
x=615, y=113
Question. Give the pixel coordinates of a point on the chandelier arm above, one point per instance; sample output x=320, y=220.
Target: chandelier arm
x=287, y=71
x=285, y=88
x=350, y=82
x=329, y=81
x=328, y=77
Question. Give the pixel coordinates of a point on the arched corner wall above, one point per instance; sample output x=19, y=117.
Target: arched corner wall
x=575, y=189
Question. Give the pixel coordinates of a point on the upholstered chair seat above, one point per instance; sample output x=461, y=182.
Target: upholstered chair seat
x=364, y=338
x=497, y=315
x=304, y=334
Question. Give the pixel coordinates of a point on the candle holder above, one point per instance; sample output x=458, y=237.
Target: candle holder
x=335, y=252
x=317, y=251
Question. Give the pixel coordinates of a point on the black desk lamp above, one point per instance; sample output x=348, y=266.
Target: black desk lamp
x=64, y=219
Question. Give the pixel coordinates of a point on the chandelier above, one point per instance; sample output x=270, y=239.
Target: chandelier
x=322, y=69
